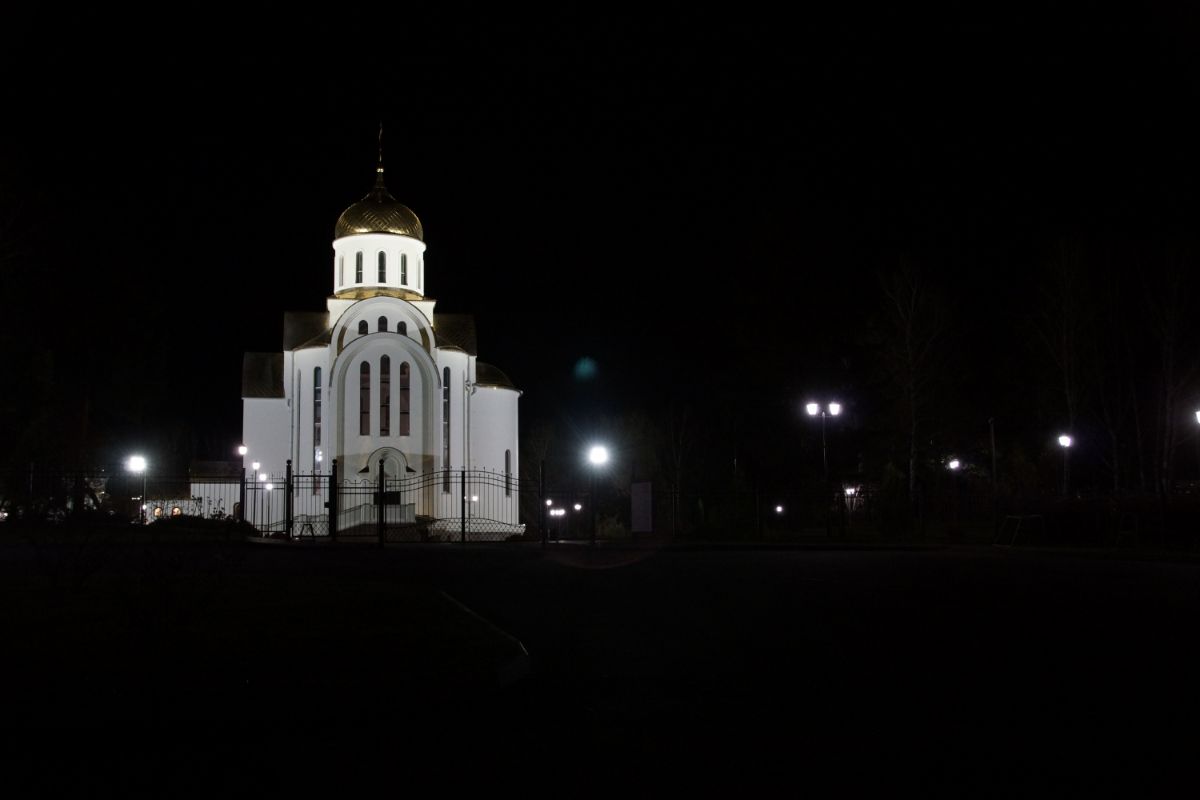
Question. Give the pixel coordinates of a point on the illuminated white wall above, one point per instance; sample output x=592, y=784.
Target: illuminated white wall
x=266, y=433
x=493, y=428
x=370, y=245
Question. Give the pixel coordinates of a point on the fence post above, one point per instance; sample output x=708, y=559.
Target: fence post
x=287, y=501
x=242, y=497
x=542, y=501
x=462, y=520
x=382, y=510
x=332, y=505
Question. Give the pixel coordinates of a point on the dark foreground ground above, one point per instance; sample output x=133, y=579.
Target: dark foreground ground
x=945, y=664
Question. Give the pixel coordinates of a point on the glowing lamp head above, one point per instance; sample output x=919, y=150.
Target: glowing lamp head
x=778, y=509
x=850, y=491
x=136, y=464
x=835, y=409
x=954, y=463
x=813, y=409
x=242, y=449
x=1198, y=416
x=549, y=502
x=1065, y=440
x=598, y=455
x=255, y=466
x=578, y=506
x=262, y=476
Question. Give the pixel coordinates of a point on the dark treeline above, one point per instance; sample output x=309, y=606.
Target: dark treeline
x=1092, y=338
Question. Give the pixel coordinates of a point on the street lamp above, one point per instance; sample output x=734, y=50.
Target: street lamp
x=137, y=465
x=830, y=410
x=1065, y=442
x=954, y=464
x=242, y=449
x=597, y=456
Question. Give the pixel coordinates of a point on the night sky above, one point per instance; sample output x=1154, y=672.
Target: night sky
x=702, y=207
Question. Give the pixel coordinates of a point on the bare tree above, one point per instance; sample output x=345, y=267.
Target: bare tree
x=1176, y=370
x=1061, y=326
x=915, y=322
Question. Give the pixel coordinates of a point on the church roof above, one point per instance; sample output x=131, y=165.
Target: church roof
x=301, y=326
x=379, y=212
x=487, y=375
x=455, y=330
x=262, y=375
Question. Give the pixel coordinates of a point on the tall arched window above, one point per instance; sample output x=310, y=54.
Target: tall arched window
x=316, y=412
x=508, y=473
x=358, y=267
x=446, y=429
x=404, y=387
x=341, y=270
x=385, y=396
x=364, y=399
x=402, y=327
x=362, y=327
x=404, y=268
x=382, y=267
x=382, y=325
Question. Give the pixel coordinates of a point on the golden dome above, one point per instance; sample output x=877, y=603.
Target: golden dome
x=379, y=212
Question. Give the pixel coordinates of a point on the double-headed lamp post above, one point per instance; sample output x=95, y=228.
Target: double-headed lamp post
x=597, y=456
x=830, y=410
x=137, y=465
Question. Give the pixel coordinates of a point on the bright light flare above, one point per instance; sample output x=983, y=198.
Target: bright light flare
x=813, y=409
x=262, y=476
x=835, y=409
x=1065, y=441
x=255, y=466
x=242, y=449
x=136, y=464
x=598, y=455
x=778, y=509
x=578, y=507
x=850, y=491
x=954, y=463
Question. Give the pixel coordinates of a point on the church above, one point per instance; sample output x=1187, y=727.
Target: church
x=379, y=380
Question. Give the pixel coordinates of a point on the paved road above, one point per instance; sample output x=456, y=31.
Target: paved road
x=969, y=654
x=976, y=656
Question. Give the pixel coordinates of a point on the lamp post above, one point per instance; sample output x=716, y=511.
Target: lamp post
x=597, y=456
x=830, y=410
x=1065, y=442
x=241, y=506
x=137, y=465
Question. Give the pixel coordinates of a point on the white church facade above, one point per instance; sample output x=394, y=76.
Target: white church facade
x=379, y=380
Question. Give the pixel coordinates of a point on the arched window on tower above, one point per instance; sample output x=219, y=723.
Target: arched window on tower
x=316, y=412
x=385, y=396
x=358, y=267
x=382, y=325
x=341, y=270
x=364, y=399
x=404, y=269
x=382, y=267
x=446, y=429
x=362, y=327
x=404, y=387
x=402, y=327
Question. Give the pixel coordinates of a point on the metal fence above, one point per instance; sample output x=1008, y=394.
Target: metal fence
x=484, y=506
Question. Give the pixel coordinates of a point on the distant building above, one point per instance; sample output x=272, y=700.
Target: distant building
x=378, y=380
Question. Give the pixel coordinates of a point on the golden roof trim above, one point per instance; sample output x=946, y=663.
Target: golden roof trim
x=367, y=292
